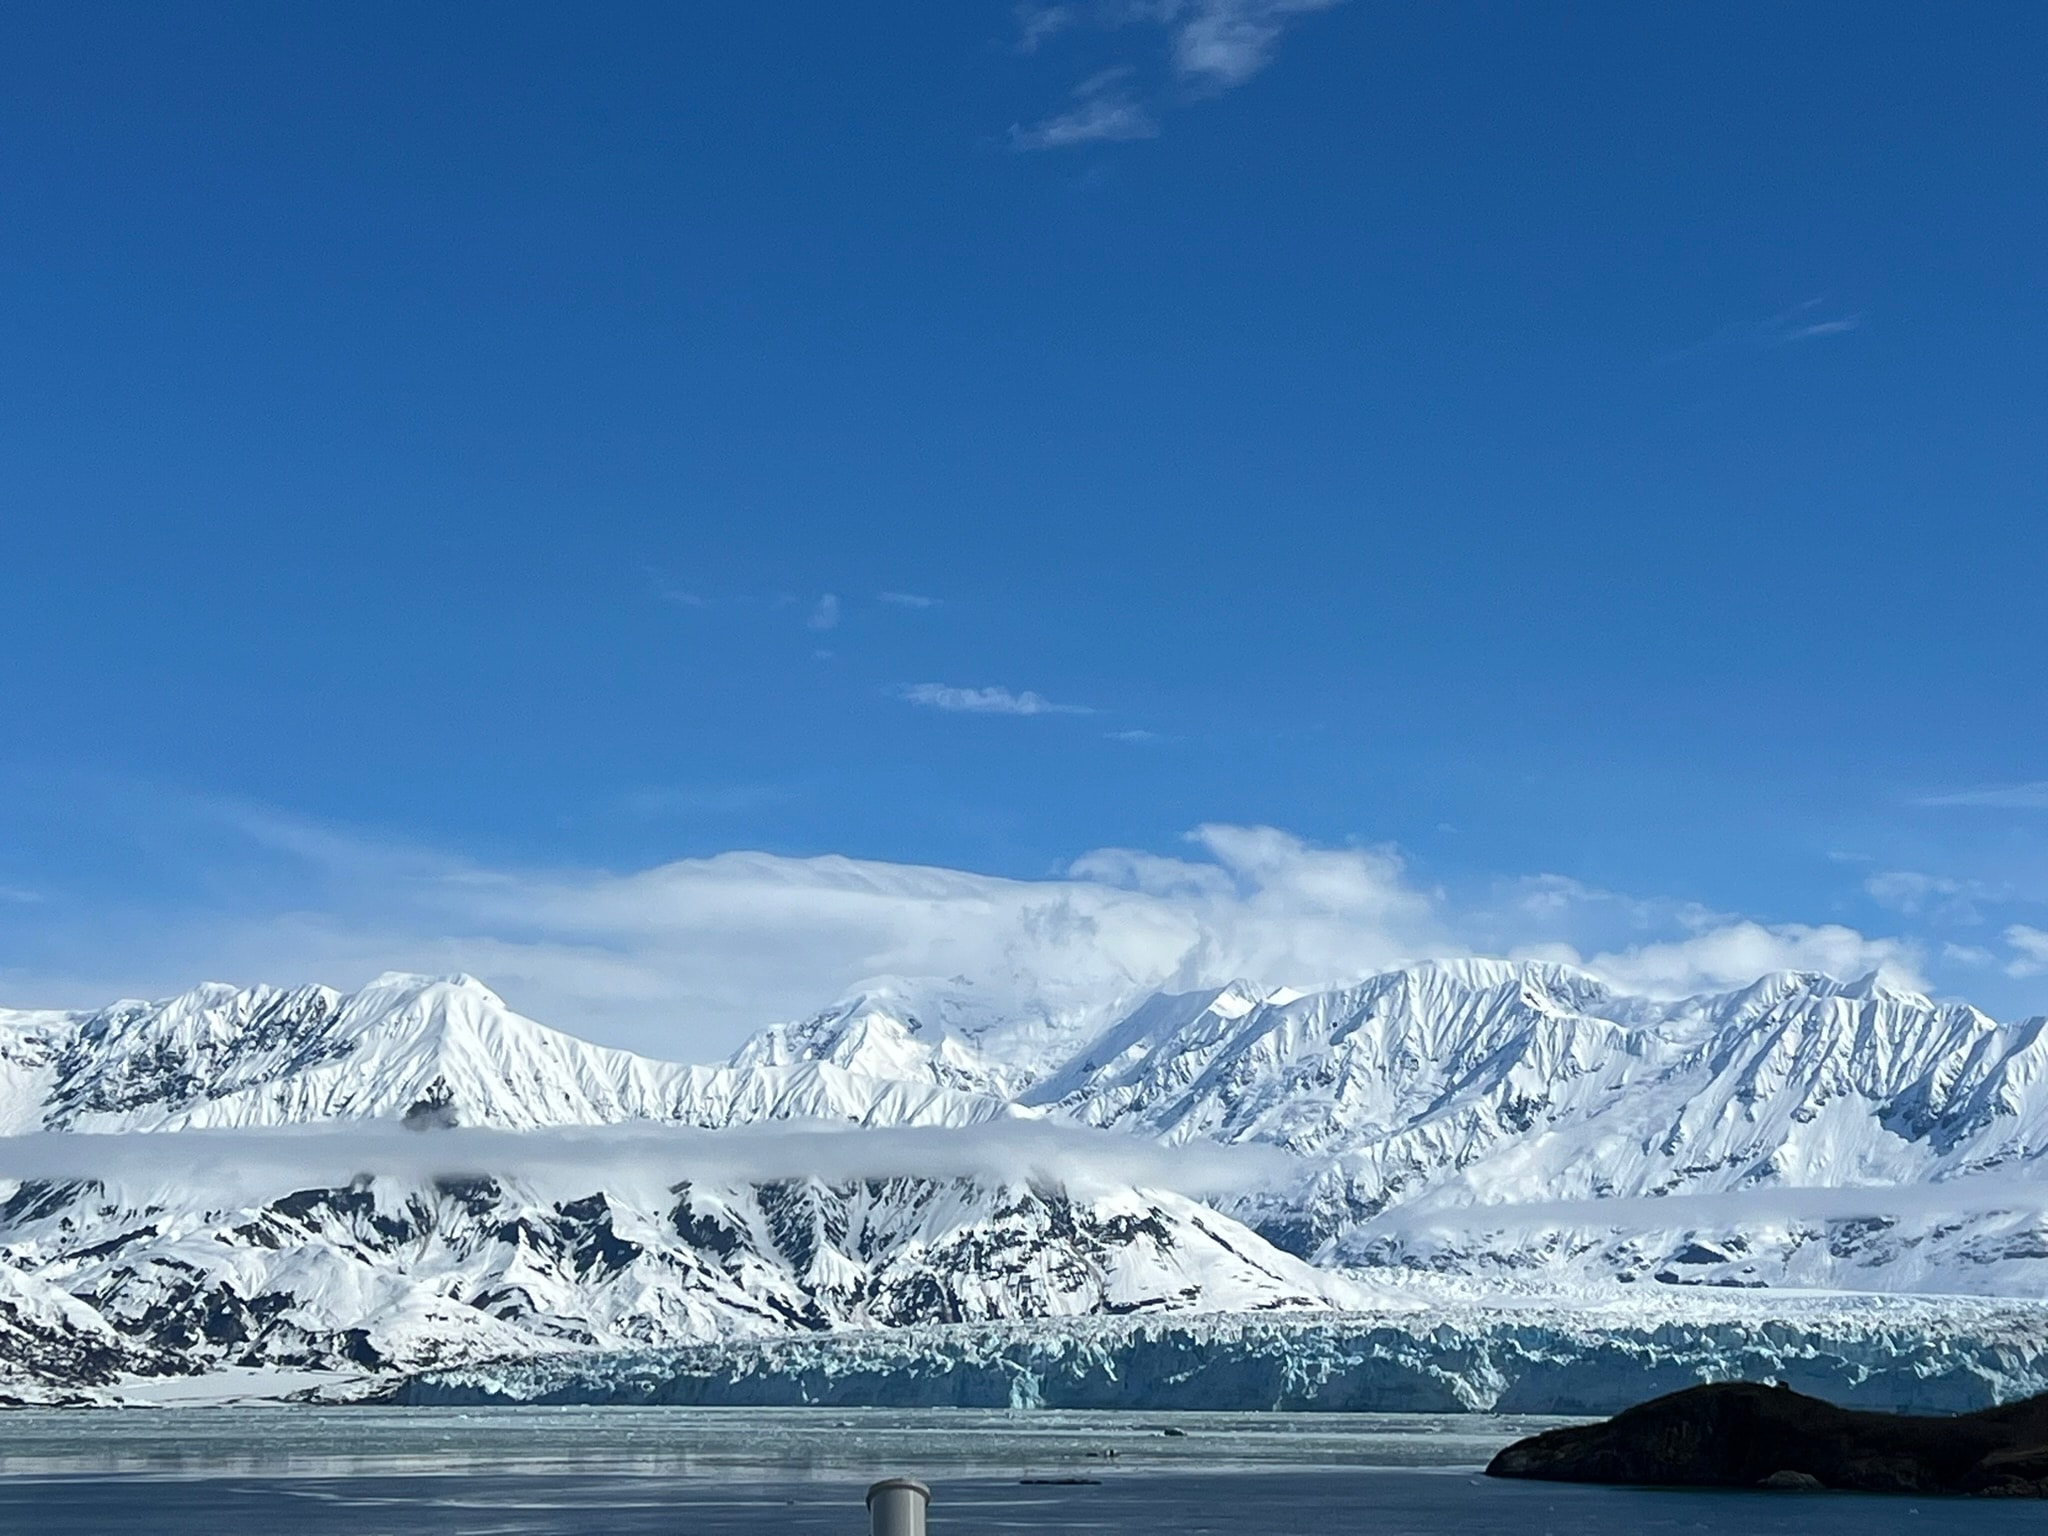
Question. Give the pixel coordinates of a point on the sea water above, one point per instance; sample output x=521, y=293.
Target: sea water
x=430, y=1472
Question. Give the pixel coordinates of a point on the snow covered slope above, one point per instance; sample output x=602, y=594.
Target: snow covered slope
x=55, y=1348
x=1422, y=1096
x=385, y=1276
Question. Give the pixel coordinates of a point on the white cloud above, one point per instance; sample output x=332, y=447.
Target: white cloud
x=1685, y=947
x=1555, y=895
x=2032, y=796
x=684, y=958
x=2030, y=951
x=1841, y=325
x=824, y=614
x=906, y=600
x=1913, y=893
x=1226, y=42
x=1448, y=1211
x=986, y=701
x=1036, y=24
x=1552, y=909
x=243, y=1164
x=1105, y=118
x=669, y=590
x=1907, y=890
x=1210, y=46
x=1736, y=953
x=1802, y=322
x=1265, y=905
x=1135, y=737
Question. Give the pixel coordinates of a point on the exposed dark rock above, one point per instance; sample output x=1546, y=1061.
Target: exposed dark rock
x=715, y=1234
x=354, y=1344
x=1793, y=1482
x=476, y=1195
x=434, y=1109
x=1740, y=1435
x=593, y=1247
x=36, y=1199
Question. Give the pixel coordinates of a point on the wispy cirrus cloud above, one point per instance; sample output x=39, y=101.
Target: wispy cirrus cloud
x=669, y=590
x=1039, y=24
x=1807, y=321
x=1195, y=48
x=2030, y=796
x=1104, y=111
x=915, y=600
x=821, y=614
x=1914, y=893
x=1225, y=42
x=985, y=701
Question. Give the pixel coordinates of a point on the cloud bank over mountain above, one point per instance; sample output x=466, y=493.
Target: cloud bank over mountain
x=263, y=1163
x=685, y=957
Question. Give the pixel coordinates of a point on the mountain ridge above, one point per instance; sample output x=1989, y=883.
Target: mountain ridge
x=1464, y=1120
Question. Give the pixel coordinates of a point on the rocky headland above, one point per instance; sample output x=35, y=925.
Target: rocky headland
x=1742, y=1435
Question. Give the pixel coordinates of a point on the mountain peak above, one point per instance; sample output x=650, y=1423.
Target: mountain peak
x=394, y=986
x=875, y=1035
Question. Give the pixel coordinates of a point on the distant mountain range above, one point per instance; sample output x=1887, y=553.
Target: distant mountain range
x=1448, y=1125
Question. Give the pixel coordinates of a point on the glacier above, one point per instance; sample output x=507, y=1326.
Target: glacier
x=1450, y=1357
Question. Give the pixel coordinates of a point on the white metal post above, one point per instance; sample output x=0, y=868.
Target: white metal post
x=896, y=1507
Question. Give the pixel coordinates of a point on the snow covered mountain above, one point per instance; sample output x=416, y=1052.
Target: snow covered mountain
x=434, y=1051
x=1449, y=1116
x=1453, y=1112
x=405, y=1272
x=1520, y=1127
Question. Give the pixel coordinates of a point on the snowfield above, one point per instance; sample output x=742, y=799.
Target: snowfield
x=1478, y=1184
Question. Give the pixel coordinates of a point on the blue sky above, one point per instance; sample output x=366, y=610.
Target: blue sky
x=1579, y=467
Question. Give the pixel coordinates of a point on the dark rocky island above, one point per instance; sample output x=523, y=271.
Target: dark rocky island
x=1739, y=1435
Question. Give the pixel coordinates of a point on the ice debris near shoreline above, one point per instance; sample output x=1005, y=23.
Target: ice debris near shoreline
x=1927, y=1355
